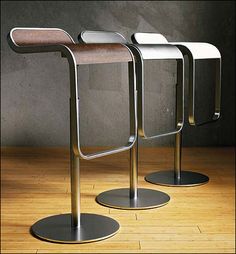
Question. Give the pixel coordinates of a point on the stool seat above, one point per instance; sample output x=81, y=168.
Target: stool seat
x=100, y=53
x=199, y=50
x=101, y=37
x=158, y=52
x=78, y=227
x=24, y=36
x=154, y=52
x=134, y=197
x=31, y=40
x=194, y=51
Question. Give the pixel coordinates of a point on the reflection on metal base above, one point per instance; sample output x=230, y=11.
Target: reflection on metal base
x=167, y=178
x=58, y=228
x=120, y=198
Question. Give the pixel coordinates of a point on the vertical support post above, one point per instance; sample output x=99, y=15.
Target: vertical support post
x=134, y=149
x=75, y=190
x=191, y=90
x=217, y=90
x=75, y=179
x=74, y=158
x=134, y=171
x=177, y=159
x=179, y=110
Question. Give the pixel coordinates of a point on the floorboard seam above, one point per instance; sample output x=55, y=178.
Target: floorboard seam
x=199, y=229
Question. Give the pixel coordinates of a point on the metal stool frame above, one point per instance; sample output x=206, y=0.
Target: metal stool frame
x=77, y=227
x=124, y=198
x=194, y=51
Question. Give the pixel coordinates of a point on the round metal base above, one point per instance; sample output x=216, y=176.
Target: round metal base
x=120, y=199
x=167, y=178
x=58, y=228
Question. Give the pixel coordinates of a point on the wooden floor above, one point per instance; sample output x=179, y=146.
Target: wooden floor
x=36, y=184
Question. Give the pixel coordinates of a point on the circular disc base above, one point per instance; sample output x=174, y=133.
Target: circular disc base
x=58, y=228
x=167, y=178
x=119, y=198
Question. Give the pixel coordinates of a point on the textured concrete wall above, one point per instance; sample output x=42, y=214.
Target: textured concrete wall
x=35, y=87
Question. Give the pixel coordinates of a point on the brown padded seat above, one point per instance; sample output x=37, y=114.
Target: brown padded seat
x=100, y=53
x=83, y=53
x=40, y=37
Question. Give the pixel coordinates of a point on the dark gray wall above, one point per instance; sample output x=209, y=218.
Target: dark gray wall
x=35, y=87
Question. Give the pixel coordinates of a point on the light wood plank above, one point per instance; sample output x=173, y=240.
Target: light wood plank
x=36, y=184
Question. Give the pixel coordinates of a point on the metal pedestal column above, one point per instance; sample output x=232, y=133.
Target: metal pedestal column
x=75, y=227
x=133, y=197
x=194, y=51
x=177, y=177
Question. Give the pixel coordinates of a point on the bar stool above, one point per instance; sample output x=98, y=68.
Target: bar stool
x=120, y=198
x=76, y=227
x=194, y=52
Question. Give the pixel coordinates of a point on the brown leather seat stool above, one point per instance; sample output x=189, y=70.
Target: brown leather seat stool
x=76, y=227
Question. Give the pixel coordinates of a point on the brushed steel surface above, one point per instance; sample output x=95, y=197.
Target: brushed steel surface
x=133, y=197
x=101, y=37
x=58, y=228
x=120, y=199
x=161, y=50
x=133, y=176
x=194, y=52
x=168, y=178
x=200, y=50
x=158, y=52
x=192, y=93
x=75, y=189
x=177, y=155
x=148, y=38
